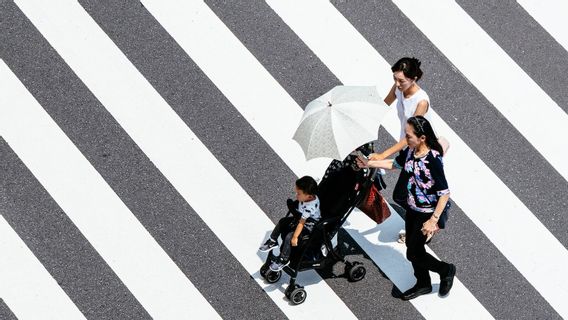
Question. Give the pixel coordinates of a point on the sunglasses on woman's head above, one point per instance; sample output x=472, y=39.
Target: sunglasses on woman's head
x=418, y=124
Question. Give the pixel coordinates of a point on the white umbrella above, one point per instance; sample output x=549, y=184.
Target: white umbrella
x=341, y=120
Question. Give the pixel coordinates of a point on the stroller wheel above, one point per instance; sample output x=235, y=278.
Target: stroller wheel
x=263, y=271
x=298, y=296
x=356, y=273
x=289, y=289
x=272, y=276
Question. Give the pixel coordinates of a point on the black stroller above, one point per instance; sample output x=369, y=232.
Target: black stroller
x=339, y=193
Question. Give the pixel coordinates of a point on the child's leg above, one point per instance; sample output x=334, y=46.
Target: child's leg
x=285, y=250
x=286, y=247
x=283, y=226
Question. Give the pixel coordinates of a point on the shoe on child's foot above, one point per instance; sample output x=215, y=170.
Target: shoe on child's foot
x=278, y=265
x=268, y=245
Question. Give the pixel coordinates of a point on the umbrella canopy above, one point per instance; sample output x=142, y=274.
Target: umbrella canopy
x=341, y=120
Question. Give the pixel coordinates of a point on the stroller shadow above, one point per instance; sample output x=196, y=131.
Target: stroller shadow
x=395, y=291
x=355, y=236
x=353, y=243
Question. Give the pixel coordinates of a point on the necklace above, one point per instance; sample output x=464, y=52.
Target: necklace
x=421, y=154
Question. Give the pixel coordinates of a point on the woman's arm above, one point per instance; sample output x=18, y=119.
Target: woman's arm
x=384, y=164
x=421, y=108
x=430, y=224
x=389, y=99
x=390, y=151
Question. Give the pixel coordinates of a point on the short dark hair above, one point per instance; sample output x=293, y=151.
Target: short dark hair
x=308, y=185
x=409, y=66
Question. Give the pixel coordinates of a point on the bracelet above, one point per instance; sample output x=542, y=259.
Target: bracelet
x=437, y=217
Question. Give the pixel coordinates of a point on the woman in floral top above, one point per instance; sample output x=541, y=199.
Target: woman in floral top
x=428, y=194
x=421, y=172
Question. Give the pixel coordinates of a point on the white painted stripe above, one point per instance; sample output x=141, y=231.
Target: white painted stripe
x=322, y=27
x=172, y=147
x=27, y=288
x=92, y=205
x=379, y=242
x=551, y=15
x=180, y=19
x=537, y=117
x=225, y=60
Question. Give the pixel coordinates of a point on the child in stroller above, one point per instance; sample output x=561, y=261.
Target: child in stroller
x=305, y=213
x=339, y=193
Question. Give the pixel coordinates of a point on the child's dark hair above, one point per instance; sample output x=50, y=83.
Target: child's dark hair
x=409, y=66
x=308, y=185
x=422, y=127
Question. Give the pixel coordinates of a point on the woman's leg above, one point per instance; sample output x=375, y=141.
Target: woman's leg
x=414, y=247
x=422, y=261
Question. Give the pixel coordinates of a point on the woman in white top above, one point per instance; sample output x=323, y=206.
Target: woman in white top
x=411, y=100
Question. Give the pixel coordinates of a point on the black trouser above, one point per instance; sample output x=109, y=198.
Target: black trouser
x=286, y=228
x=286, y=247
x=422, y=261
x=287, y=223
x=283, y=227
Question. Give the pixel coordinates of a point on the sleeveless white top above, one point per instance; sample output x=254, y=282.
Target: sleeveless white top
x=406, y=107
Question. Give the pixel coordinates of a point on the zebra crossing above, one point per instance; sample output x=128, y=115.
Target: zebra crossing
x=162, y=129
x=90, y=203
x=549, y=19
x=537, y=127
x=22, y=271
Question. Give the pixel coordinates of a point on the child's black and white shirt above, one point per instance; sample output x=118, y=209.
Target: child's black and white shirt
x=310, y=211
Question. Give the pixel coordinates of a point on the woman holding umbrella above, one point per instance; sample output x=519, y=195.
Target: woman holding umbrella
x=428, y=193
